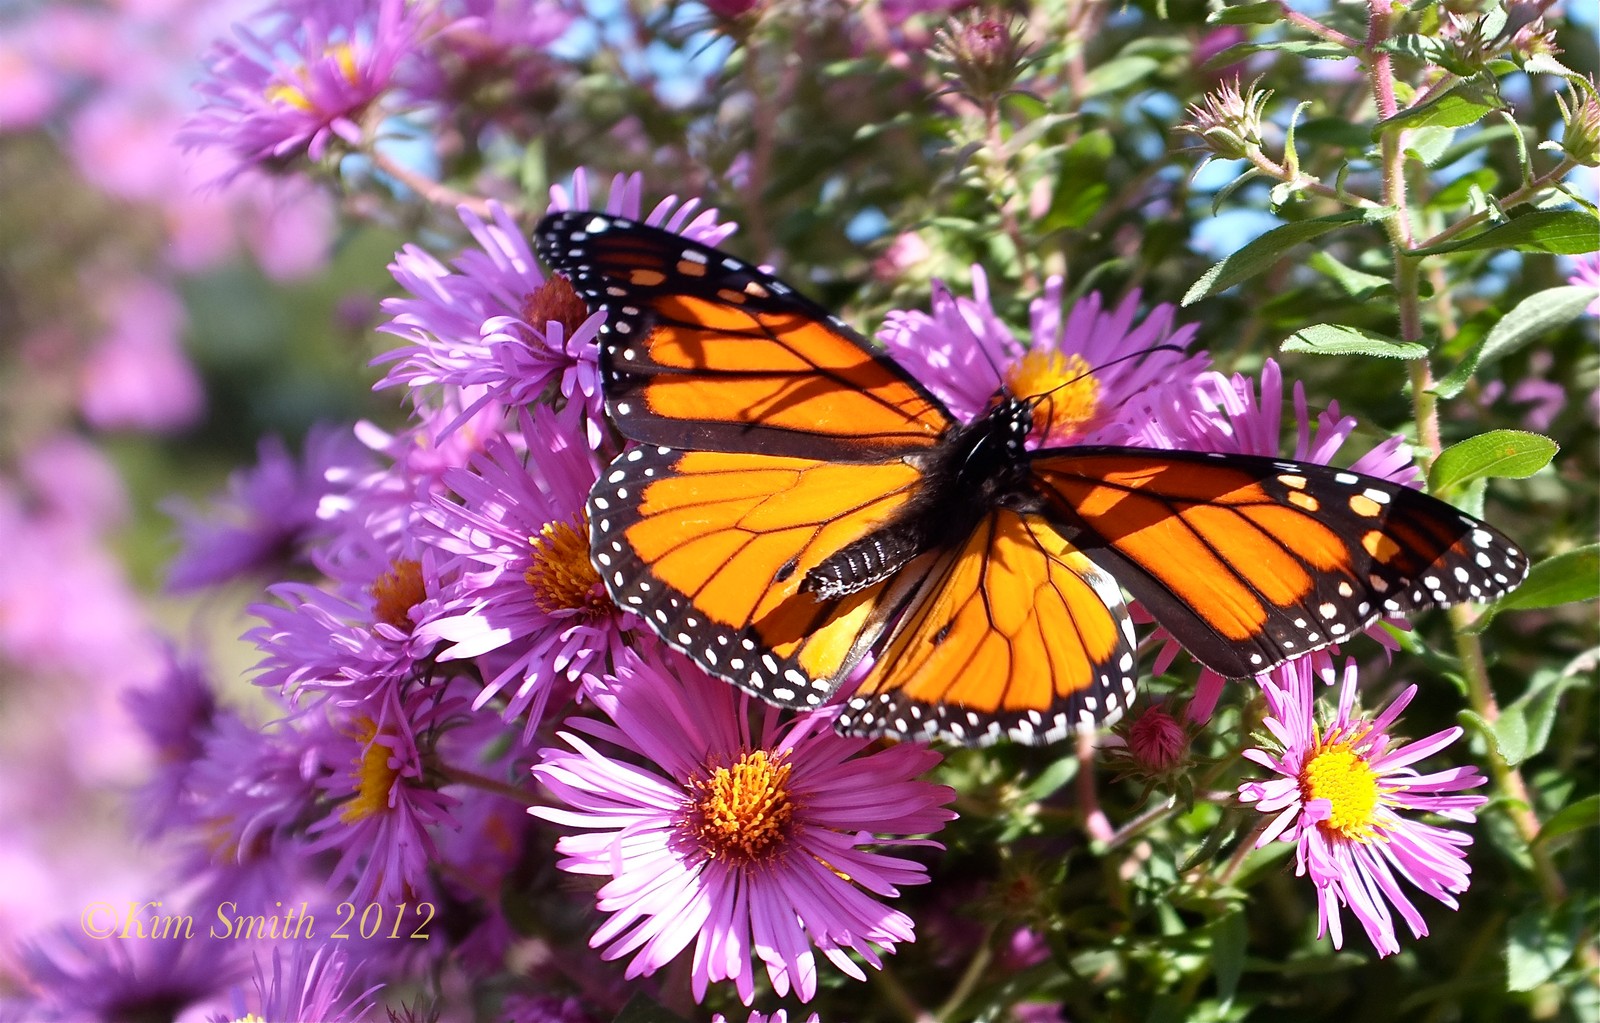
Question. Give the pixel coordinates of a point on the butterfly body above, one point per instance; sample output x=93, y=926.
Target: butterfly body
x=974, y=468
x=800, y=513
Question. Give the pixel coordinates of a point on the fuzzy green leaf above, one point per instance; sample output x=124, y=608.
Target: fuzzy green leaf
x=1512, y=454
x=1460, y=106
x=1566, y=578
x=1564, y=232
x=1081, y=184
x=1585, y=813
x=1260, y=254
x=1338, y=339
x=1533, y=317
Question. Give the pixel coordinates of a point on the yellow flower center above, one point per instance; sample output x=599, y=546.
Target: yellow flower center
x=1070, y=393
x=562, y=577
x=373, y=774
x=290, y=91
x=744, y=813
x=1340, y=775
x=396, y=592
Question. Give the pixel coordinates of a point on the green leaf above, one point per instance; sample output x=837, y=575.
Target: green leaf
x=1228, y=939
x=641, y=1008
x=1226, y=190
x=1538, y=943
x=1051, y=779
x=1356, y=283
x=1314, y=49
x=1512, y=454
x=1117, y=73
x=1428, y=145
x=1336, y=131
x=1533, y=317
x=1563, y=232
x=1266, y=12
x=1338, y=339
x=1459, y=191
x=1082, y=184
x=1566, y=578
x=1431, y=50
x=1458, y=107
x=1523, y=729
x=1260, y=254
x=1585, y=813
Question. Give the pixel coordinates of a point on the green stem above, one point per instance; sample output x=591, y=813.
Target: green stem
x=975, y=972
x=1425, y=413
x=1524, y=194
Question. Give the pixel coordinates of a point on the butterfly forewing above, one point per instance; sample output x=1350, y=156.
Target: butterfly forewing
x=701, y=350
x=710, y=549
x=1250, y=561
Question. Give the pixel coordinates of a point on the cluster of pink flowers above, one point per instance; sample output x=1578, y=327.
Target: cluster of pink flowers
x=452, y=687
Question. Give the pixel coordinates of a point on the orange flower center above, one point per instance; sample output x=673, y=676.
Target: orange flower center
x=745, y=813
x=561, y=574
x=397, y=591
x=1070, y=393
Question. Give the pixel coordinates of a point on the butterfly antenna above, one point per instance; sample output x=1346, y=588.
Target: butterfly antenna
x=1035, y=400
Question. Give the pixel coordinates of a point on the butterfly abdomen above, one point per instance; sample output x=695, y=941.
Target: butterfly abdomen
x=870, y=559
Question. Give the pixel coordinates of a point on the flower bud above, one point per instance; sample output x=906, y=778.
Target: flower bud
x=1228, y=122
x=1157, y=742
x=983, y=54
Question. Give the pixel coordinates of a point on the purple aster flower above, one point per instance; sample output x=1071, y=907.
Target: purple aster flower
x=110, y=977
x=177, y=716
x=268, y=515
x=247, y=797
x=313, y=986
x=357, y=646
x=494, y=322
x=1344, y=793
x=1586, y=274
x=523, y=588
x=737, y=832
x=965, y=354
x=487, y=46
x=1232, y=417
x=384, y=801
x=305, y=78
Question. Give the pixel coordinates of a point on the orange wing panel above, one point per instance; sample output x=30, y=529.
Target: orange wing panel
x=1016, y=635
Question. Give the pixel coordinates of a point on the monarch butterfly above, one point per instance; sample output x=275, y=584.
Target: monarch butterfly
x=796, y=502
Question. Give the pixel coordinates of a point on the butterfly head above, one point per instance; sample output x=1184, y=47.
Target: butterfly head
x=1062, y=391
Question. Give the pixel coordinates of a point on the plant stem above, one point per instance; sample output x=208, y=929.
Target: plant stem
x=1425, y=413
x=433, y=192
x=1510, y=201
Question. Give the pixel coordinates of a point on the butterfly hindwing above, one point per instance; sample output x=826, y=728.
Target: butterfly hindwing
x=710, y=548
x=1250, y=561
x=1015, y=635
x=704, y=351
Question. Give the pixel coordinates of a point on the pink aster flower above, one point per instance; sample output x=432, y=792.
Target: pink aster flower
x=137, y=375
x=268, y=515
x=722, y=826
x=305, y=78
x=1239, y=415
x=965, y=354
x=492, y=321
x=384, y=803
x=523, y=589
x=313, y=985
x=84, y=976
x=1345, y=793
x=1586, y=274
x=320, y=643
